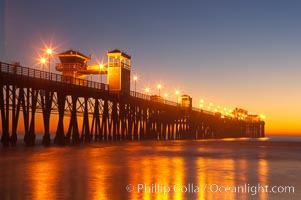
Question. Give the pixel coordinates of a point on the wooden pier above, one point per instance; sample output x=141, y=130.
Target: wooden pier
x=106, y=115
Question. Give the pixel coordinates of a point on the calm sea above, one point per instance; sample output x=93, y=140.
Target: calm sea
x=268, y=168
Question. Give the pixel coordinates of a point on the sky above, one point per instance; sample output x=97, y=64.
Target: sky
x=242, y=54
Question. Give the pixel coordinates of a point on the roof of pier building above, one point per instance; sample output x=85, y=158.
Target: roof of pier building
x=72, y=56
x=123, y=54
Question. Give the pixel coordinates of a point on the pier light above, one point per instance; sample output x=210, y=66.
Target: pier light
x=159, y=86
x=201, y=106
x=262, y=116
x=177, y=94
x=43, y=61
x=210, y=104
x=201, y=101
x=100, y=72
x=209, y=107
x=147, y=90
x=49, y=52
x=165, y=95
x=135, y=81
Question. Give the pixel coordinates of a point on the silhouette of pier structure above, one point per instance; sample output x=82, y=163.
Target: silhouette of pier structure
x=107, y=111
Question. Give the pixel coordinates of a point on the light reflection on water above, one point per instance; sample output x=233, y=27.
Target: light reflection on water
x=103, y=170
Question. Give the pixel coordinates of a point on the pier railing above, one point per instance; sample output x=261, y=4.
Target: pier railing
x=148, y=97
x=39, y=74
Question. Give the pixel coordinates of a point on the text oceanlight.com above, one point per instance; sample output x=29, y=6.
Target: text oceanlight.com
x=213, y=188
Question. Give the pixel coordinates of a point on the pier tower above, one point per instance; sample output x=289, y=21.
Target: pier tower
x=73, y=64
x=119, y=75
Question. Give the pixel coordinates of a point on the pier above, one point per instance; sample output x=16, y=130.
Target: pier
x=109, y=111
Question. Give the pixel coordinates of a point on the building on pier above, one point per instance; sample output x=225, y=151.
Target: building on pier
x=253, y=118
x=157, y=98
x=73, y=64
x=186, y=101
x=119, y=71
x=239, y=113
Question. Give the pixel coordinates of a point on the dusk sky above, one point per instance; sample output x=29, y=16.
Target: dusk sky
x=244, y=54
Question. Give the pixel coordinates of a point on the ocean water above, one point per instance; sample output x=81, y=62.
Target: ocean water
x=268, y=168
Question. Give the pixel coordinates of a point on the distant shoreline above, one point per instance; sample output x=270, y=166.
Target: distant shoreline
x=277, y=138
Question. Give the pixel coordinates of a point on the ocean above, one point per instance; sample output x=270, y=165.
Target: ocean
x=266, y=168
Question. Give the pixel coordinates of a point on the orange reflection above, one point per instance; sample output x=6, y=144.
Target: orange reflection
x=147, y=175
x=263, y=139
x=177, y=167
x=211, y=180
x=151, y=176
x=263, y=176
x=156, y=175
x=43, y=182
x=240, y=180
x=201, y=177
x=97, y=173
x=163, y=175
